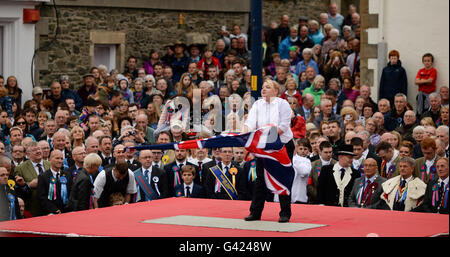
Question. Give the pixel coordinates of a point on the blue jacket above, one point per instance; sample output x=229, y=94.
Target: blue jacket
x=284, y=46
x=393, y=80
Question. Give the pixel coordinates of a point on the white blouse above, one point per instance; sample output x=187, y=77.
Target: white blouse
x=277, y=112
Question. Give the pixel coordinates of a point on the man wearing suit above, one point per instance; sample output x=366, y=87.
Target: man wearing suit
x=151, y=181
x=405, y=191
x=27, y=175
x=54, y=186
x=168, y=156
x=390, y=157
x=336, y=181
x=325, y=154
x=105, y=147
x=8, y=198
x=425, y=167
x=133, y=163
x=367, y=190
x=369, y=149
x=189, y=189
x=205, y=166
x=306, y=109
x=81, y=194
x=78, y=153
x=49, y=131
x=232, y=171
x=173, y=171
x=436, y=194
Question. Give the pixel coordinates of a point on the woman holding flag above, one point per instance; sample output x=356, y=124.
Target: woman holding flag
x=271, y=111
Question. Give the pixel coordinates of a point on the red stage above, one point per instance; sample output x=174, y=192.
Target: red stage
x=126, y=221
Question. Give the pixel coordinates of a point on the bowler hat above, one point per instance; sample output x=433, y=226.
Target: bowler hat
x=345, y=150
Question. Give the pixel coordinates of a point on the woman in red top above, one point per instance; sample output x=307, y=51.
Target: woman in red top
x=291, y=91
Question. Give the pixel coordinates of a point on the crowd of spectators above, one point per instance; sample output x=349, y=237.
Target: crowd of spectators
x=67, y=151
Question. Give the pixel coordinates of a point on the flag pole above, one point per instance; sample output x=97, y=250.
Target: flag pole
x=256, y=24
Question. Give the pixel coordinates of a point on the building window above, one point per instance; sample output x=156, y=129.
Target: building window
x=108, y=48
x=105, y=54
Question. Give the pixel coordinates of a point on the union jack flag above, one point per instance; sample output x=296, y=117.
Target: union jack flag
x=264, y=143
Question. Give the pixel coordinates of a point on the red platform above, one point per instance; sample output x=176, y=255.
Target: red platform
x=126, y=221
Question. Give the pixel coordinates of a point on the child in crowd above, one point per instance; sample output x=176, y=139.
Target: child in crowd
x=426, y=81
x=188, y=189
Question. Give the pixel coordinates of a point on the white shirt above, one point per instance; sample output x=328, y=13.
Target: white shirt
x=159, y=164
x=324, y=162
x=190, y=187
x=54, y=173
x=357, y=162
x=277, y=112
x=100, y=182
x=149, y=173
x=445, y=181
x=36, y=168
x=195, y=160
x=391, y=162
x=302, y=168
x=429, y=163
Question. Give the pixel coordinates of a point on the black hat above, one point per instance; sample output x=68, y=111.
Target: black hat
x=91, y=102
x=345, y=150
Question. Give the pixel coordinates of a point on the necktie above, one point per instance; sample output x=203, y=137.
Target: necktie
x=146, y=175
x=107, y=159
x=129, y=162
x=441, y=190
x=200, y=165
x=181, y=165
x=157, y=165
x=40, y=168
x=342, y=173
x=227, y=170
x=403, y=183
x=188, y=192
x=57, y=176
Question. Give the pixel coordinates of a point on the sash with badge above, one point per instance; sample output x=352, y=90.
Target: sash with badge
x=366, y=189
x=423, y=171
x=225, y=182
x=12, y=200
x=252, y=173
x=52, y=191
x=149, y=193
x=439, y=199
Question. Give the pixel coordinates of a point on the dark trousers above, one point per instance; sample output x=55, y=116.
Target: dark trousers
x=260, y=190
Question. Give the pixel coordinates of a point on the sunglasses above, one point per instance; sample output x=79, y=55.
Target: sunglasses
x=21, y=123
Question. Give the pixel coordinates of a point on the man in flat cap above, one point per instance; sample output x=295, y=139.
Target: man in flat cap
x=88, y=88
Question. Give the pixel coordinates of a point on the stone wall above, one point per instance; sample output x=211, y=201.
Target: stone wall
x=144, y=28
x=273, y=10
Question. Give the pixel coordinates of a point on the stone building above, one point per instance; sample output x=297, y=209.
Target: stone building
x=125, y=28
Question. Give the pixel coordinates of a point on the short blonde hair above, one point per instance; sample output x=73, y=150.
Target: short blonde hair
x=75, y=129
x=318, y=78
x=92, y=160
x=274, y=84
